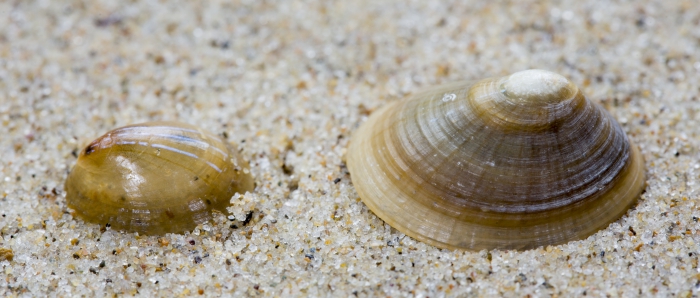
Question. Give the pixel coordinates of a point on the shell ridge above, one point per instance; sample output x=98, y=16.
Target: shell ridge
x=426, y=128
x=505, y=208
x=175, y=134
x=178, y=162
x=619, y=152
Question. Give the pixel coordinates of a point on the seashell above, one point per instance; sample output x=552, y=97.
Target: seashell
x=515, y=162
x=156, y=178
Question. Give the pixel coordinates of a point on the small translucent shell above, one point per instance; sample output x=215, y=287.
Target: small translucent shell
x=515, y=162
x=156, y=178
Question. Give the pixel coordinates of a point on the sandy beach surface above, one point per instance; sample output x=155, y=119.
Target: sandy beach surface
x=289, y=82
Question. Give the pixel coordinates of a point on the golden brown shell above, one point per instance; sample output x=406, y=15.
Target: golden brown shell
x=515, y=162
x=155, y=178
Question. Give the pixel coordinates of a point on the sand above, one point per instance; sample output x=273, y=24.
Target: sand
x=289, y=82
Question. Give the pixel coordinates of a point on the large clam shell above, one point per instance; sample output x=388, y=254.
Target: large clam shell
x=155, y=178
x=515, y=162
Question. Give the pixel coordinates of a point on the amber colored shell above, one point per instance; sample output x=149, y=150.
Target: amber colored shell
x=155, y=178
x=515, y=162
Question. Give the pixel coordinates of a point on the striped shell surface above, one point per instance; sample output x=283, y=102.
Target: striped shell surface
x=515, y=162
x=156, y=178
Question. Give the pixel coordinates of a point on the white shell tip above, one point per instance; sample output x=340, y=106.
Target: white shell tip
x=538, y=86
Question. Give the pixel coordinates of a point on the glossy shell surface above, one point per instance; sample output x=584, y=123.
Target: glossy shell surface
x=155, y=178
x=515, y=162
